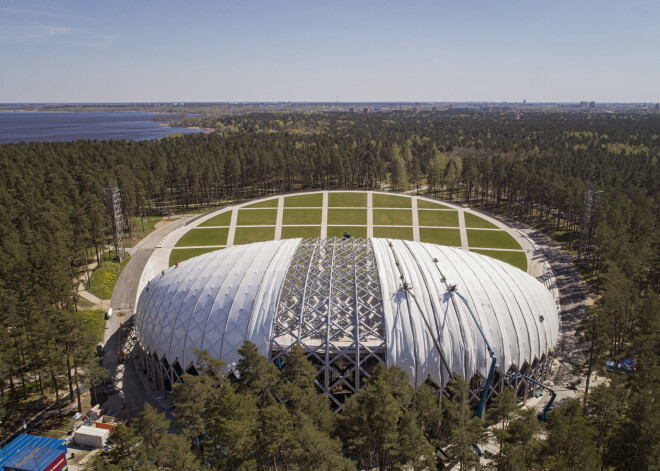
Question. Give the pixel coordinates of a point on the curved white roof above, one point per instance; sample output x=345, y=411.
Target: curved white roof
x=217, y=300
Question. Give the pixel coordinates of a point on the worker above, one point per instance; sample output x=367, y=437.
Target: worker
x=163, y=272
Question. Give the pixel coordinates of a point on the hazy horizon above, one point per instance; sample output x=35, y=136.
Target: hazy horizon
x=352, y=52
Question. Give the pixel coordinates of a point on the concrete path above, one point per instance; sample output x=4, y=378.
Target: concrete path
x=280, y=216
x=90, y=297
x=232, y=228
x=370, y=214
x=463, y=229
x=415, y=220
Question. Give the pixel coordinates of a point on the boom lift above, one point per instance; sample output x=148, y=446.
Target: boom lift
x=451, y=289
x=543, y=416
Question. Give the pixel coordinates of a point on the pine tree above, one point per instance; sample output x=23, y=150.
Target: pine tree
x=461, y=427
x=570, y=442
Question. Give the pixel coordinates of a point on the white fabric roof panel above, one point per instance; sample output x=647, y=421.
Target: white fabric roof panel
x=507, y=302
x=219, y=299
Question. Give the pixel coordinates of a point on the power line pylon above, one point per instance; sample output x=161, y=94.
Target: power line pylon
x=117, y=221
x=586, y=247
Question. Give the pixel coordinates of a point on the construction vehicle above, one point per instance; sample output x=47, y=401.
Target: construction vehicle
x=452, y=290
x=543, y=416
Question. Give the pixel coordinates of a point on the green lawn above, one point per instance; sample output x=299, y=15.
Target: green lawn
x=302, y=216
x=355, y=231
x=102, y=280
x=440, y=236
x=472, y=220
x=222, y=219
x=491, y=239
x=428, y=217
x=247, y=235
x=517, y=259
x=392, y=217
x=179, y=255
x=430, y=205
x=404, y=233
x=95, y=318
x=391, y=201
x=347, y=200
x=355, y=217
x=314, y=200
x=195, y=237
x=256, y=217
x=293, y=232
x=271, y=203
x=142, y=227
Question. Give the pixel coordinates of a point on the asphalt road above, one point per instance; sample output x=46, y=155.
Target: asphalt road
x=131, y=394
x=123, y=297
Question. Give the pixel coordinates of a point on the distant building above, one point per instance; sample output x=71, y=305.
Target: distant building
x=365, y=110
x=350, y=110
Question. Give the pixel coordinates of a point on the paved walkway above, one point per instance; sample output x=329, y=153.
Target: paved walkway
x=91, y=298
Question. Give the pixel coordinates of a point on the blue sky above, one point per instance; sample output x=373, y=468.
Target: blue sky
x=360, y=50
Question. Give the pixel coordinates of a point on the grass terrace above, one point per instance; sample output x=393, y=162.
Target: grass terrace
x=517, y=259
x=440, y=236
x=301, y=216
x=256, y=217
x=355, y=231
x=201, y=237
x=392, y=217
x=491, y=239
x=222, y=219
x=306, y=232
x=313, y=200
x=432, y=218
x=353, y=217
x=179, y=255
x=347, y=200
x=391, y=201
x=247, y=235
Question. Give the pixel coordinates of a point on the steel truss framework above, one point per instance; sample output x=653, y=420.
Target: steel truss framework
x=586, y=245
x=331, y=305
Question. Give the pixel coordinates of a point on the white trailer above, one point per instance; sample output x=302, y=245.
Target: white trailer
x=92, y=436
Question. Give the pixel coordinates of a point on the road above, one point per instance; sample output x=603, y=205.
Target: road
x=123, y=297
x=131, y=393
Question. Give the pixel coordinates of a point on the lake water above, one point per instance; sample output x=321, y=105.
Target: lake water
x=17, y=127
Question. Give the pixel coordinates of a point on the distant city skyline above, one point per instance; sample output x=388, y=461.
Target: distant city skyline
x=368, y=51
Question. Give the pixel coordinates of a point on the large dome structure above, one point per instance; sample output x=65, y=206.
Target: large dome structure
x=351, y=303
